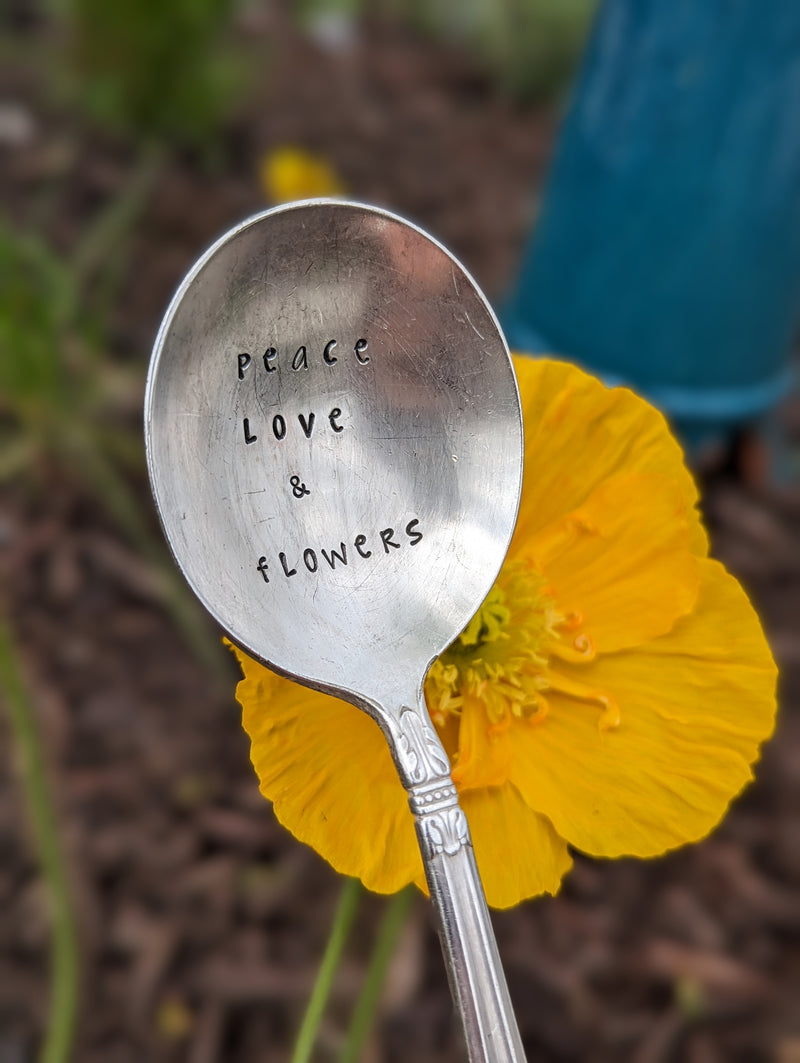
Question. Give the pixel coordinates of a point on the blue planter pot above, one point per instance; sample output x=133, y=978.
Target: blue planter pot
x=667, y=252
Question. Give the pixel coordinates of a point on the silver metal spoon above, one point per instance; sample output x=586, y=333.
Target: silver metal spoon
x=334, y=442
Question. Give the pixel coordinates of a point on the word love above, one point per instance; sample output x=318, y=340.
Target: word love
x=279, y=426
x=302, y=358
x=362, y=548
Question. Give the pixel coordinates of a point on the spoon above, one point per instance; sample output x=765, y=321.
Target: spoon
x=334, y=441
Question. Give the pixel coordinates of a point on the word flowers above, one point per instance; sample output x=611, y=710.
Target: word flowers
x=363, y=547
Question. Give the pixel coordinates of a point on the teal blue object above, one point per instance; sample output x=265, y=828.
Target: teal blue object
x=667, y=251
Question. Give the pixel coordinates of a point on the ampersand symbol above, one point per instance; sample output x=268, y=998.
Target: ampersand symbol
x=298, y=489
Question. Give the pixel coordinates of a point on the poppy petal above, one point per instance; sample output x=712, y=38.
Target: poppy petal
x=326, y=767
x=578, y=433
x=518, y=852
x=626, y=569
x=695, y=706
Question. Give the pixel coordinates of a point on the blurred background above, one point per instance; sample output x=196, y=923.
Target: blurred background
x=624, y=183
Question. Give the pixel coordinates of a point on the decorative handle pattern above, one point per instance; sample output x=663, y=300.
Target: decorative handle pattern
x=473, y=964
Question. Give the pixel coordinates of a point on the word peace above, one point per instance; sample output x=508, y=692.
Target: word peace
x=301, y=359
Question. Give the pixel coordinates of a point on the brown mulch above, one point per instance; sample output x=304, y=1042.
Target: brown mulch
x=203, y=922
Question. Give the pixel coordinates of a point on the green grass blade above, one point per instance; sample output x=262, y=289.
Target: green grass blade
x=64, y=955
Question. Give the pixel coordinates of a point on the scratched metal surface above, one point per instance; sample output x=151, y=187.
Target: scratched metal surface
x=334, y=441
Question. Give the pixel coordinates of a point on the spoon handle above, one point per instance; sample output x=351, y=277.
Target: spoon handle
x=475, y=973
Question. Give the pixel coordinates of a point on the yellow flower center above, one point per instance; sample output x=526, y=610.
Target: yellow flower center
x=509, y=654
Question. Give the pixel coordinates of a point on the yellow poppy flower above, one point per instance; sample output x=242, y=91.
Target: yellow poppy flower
x=611, y=694
x=287, y=173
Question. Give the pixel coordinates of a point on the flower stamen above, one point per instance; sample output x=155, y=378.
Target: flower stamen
x=552, y=544
x=580, y=652
x=610, y=717
x=506, y=658
x=542, y=709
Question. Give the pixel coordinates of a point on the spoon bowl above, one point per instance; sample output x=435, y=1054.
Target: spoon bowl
x=334, y=442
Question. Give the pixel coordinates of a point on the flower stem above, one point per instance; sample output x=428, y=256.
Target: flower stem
x=64, y=959
x=101, y=241
x=392, y=923
x=342, y=922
